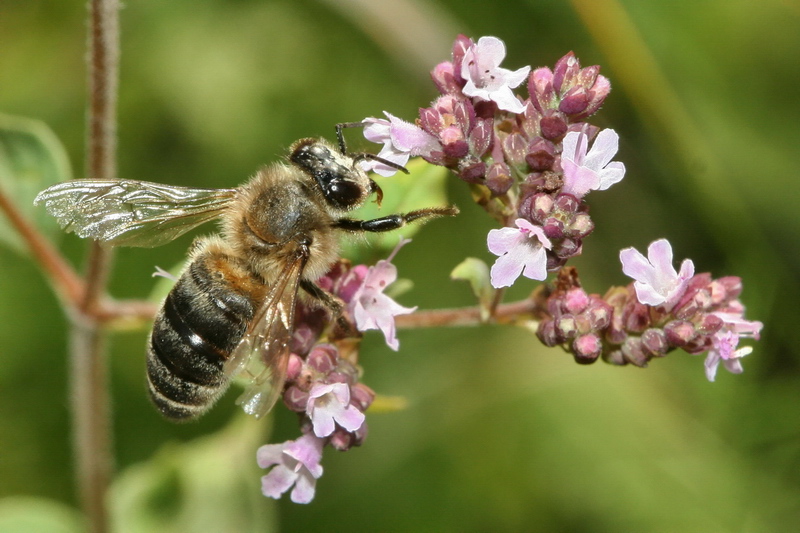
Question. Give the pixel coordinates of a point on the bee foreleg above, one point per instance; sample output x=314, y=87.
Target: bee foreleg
x=391, y=222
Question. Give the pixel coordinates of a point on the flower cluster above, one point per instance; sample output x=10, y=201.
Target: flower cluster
x=528, y=159
x=661, y=310
x=322, y=378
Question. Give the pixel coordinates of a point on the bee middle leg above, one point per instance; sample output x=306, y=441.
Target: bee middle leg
x=392, y=222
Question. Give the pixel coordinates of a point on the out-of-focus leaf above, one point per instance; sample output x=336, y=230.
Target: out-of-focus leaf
x=425, y=186
x=476, y=272
x=31, y=159
x=210, y=484
x=24, y=514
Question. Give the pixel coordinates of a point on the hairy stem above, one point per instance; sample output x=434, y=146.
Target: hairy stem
x=89, y=373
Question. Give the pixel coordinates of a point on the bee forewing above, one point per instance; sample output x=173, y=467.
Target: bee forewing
x=131, y=213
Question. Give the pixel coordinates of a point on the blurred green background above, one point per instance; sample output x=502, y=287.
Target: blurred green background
x=500, y=433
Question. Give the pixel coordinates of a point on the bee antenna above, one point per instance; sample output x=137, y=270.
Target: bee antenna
x=363, y=156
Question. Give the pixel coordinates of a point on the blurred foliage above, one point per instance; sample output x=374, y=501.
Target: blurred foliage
x=500, y=433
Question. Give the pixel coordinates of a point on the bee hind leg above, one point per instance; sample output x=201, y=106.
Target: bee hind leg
x=333, y=304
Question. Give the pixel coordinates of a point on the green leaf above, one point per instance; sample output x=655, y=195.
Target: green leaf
x=31, y=159
x=476, y=272
x=26, y=514
x=209, y=484
x=425, y=186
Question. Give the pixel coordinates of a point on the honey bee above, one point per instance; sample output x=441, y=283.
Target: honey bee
x=231, y=311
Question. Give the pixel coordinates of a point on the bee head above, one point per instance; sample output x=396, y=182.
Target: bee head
x=343, y=184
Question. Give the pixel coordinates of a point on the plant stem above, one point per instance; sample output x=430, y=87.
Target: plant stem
x=89, y=372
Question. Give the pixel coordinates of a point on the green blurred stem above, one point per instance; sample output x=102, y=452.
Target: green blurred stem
x=91, y=414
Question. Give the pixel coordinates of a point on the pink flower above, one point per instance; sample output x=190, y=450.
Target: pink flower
x=294, y=463
x=328, y=405
x=726, y=341
x=486, y=80
x=592, y=171
x=521, y=251
x=400, y=139
x=374, y=310
x=656, y=281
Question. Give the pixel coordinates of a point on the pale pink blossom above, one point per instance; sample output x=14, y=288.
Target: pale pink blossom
x=486, y=80
x=521, y=251
x=372, y=309
x=593, y=170
x=401, y=140
x=656, y=281
x=328, y=405
x=295, y=463
x=726, y=343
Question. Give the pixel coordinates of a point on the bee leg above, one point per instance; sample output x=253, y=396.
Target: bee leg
x=391, y=222
x=334, y=305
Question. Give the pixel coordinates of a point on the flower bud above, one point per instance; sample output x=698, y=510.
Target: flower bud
x=567, y=203
x=615, y=357
x=575, y=300
x=587, y=348
x=472, y=172
x=566, y=327
x=295, y=399
x=515, y=148
x=574, y=102
x=565, y=72
x=599, y=314
x=293, y=367
x=540, y=89
x=499, y=179
x=553, y=126
x=581, y=226
x=655, y=342
x=480, y=138
x=443, y=76
x=361, y=396
x=323, y=358
x=710, y=324
x=634, y=352
x=679, y=333
x=546, y=332
x=540, y=155
x=553, y=228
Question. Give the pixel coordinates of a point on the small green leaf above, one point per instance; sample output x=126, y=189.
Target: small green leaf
x=476, y=272
x=31, y=159
x=425, y=186
x=209, y=484
x=26, y=514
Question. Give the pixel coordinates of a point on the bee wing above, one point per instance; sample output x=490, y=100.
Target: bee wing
x=263, y=353
x=129, y=212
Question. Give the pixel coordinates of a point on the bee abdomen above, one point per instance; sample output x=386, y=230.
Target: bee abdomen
x=202, y=320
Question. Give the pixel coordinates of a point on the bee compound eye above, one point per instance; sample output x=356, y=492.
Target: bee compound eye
x=344, y=193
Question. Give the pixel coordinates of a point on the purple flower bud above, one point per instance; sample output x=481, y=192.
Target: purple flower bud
x=575, y=301
x=540, y=89
x=430, y=120
x=565, y=72
x=443, y=76
x=295, y=399
x=655, y=341
x=472, y=171
x=710, y=324
x=480, y=138
x=303, y=338
x=637, y=317
x=499, y=179
x=587, y=348
x=323, y=358
x=553, y=126
x=599, y=313
x=361, y=396
x=598, y=94
x=553, y=228
x=460, y=47
x=542, y=206
x=540, y=154
x=679, y=333
x=567, y=203
x=515, y=147
x=634, y=352
x=568, y=248
x=294, y=367
x=587, y=77
x=342, y=440
x=575, y=101
x=546, y=332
